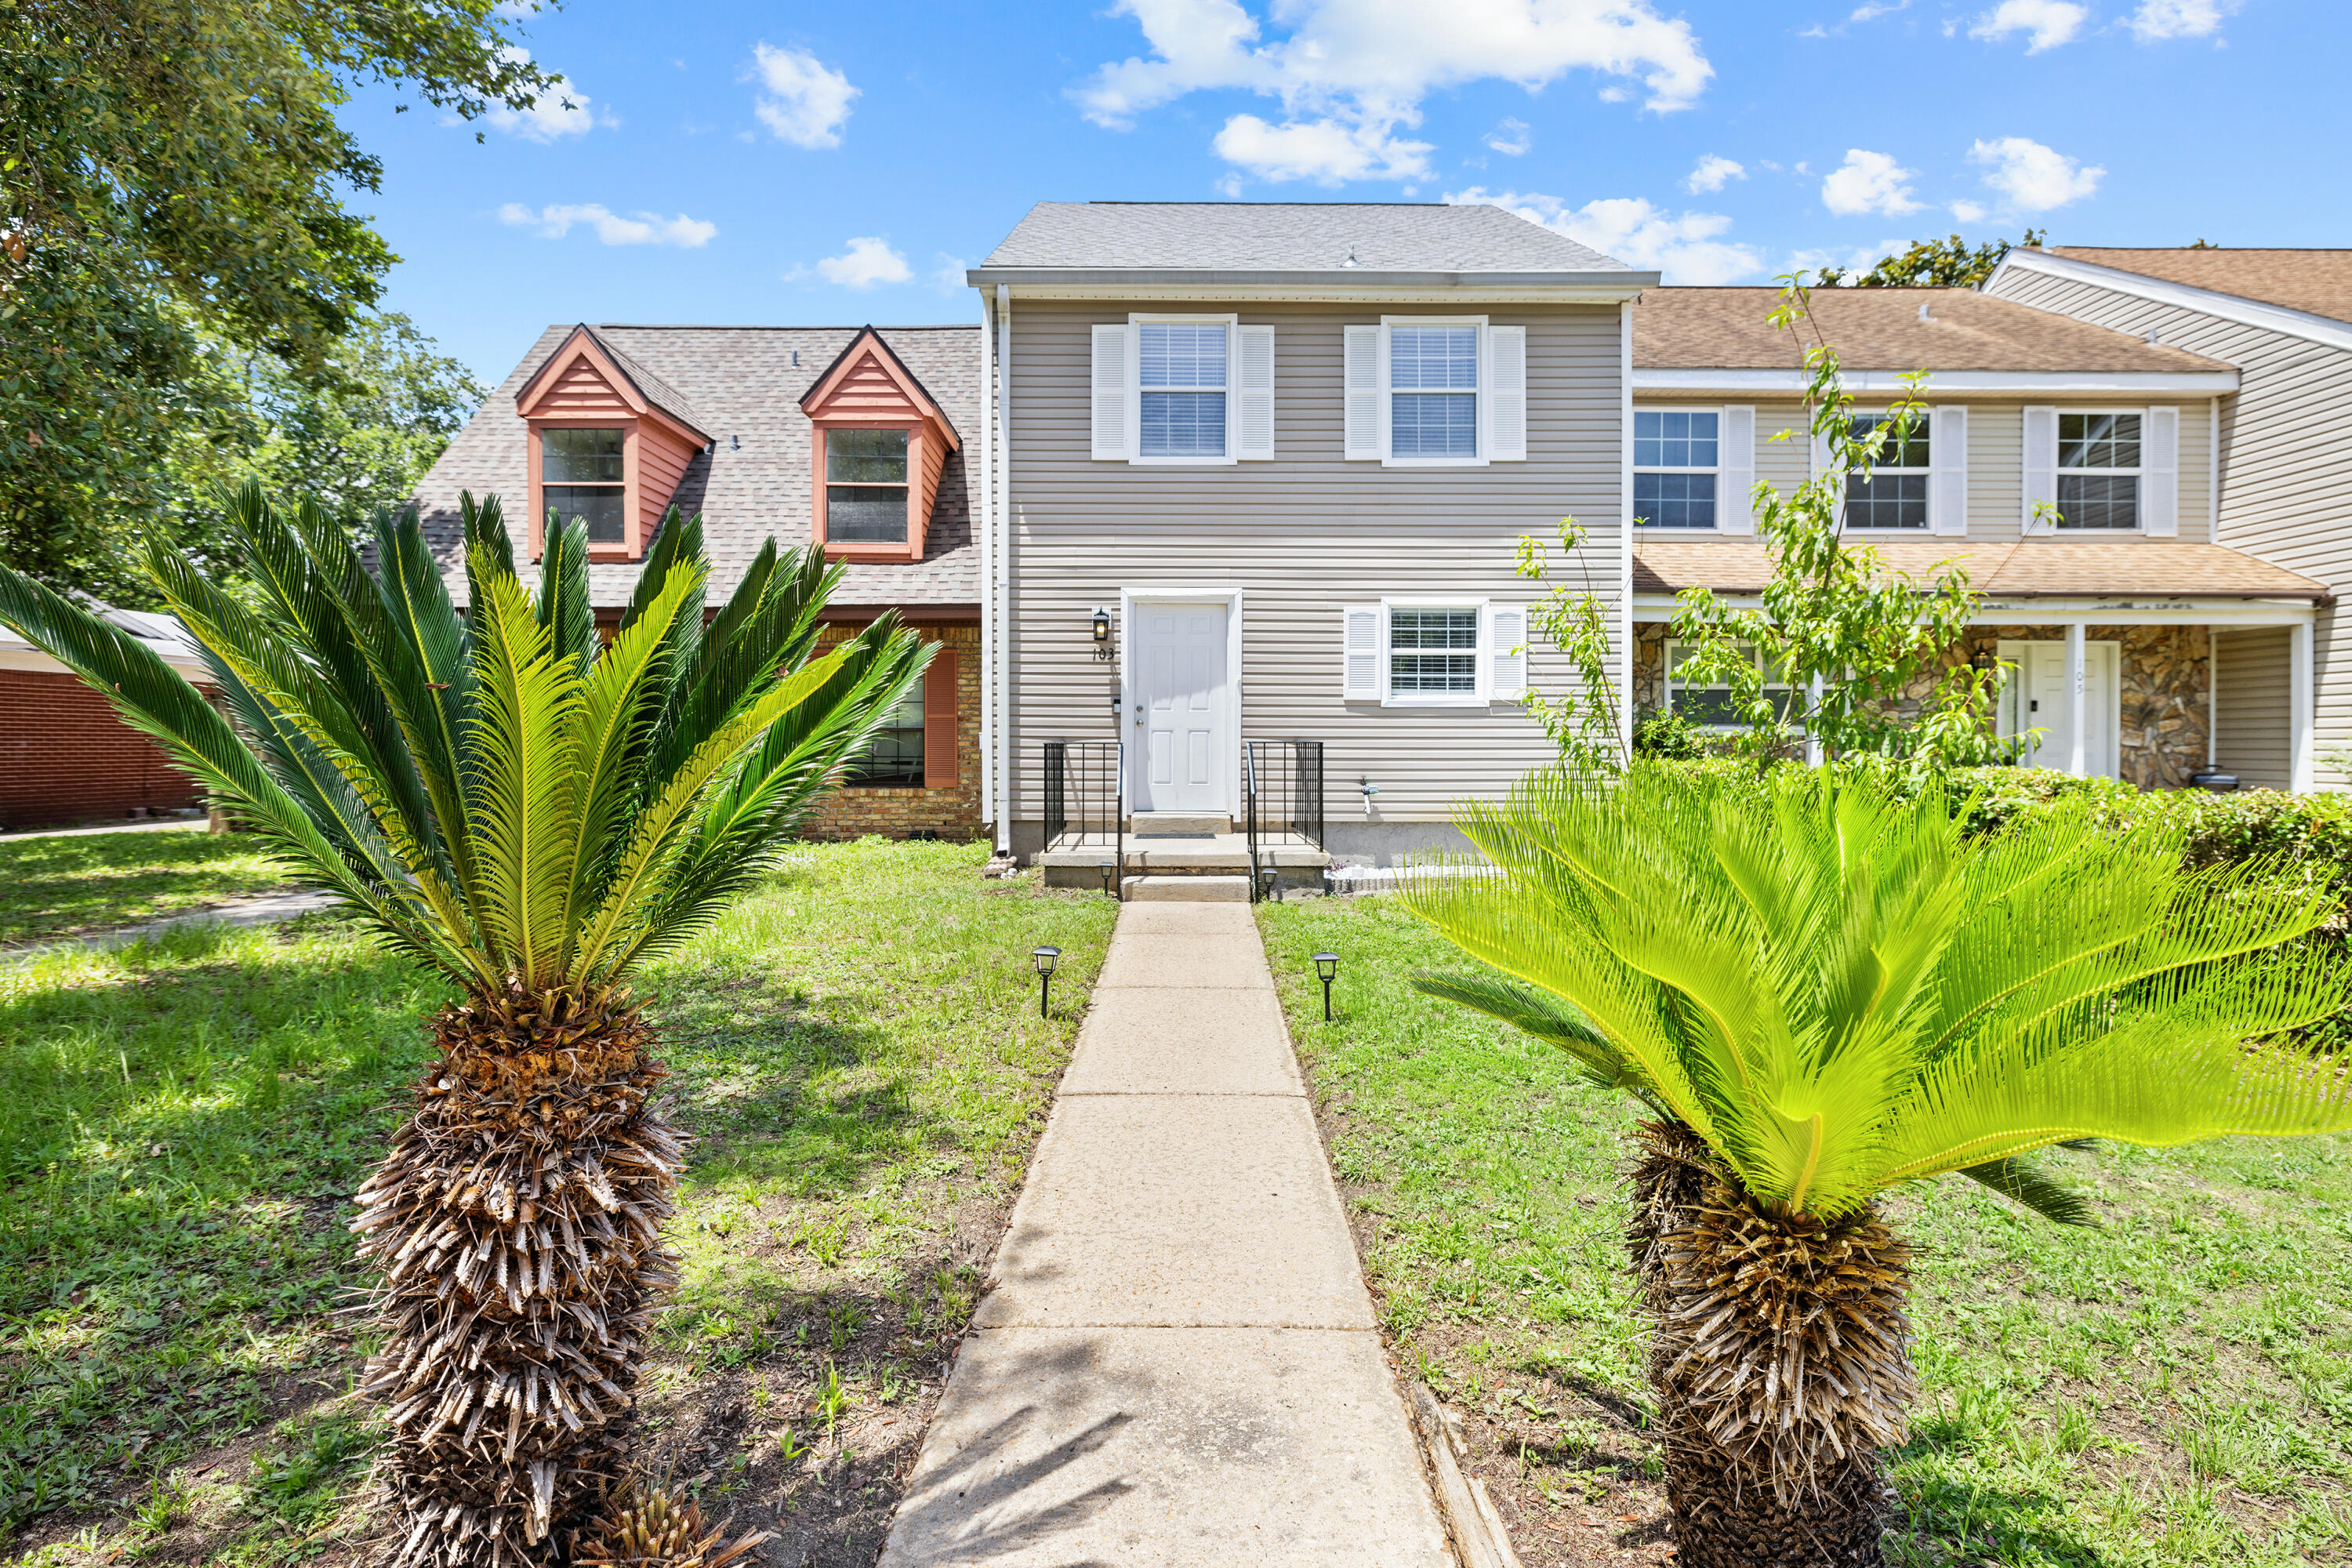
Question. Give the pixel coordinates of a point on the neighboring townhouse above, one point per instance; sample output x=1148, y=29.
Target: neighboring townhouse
x=2143, y=648
x=1257, y=474
x=65, y=757
x=853, y=438
x=2283, y=321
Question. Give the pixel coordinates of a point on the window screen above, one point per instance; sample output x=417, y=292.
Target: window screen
x=1434, y=651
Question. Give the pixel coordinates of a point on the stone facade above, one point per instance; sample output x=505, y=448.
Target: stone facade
x=952, y=812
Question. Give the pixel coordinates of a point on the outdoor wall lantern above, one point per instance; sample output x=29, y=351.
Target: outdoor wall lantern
x=1327, y=965
x=1111, y=878
x=1102, y=633
x=1044, y=958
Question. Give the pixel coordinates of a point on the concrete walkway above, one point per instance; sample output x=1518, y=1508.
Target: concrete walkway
x=265, y=909
x=1177, y=1364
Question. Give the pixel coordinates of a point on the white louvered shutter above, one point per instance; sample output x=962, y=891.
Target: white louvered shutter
x=1735, y=469
x=1947, y=480
x=1363, y=633
x=1114, y=375
x=2160, y=474
x=2040, y=471
x=1362, y=374
x=1819, y=462
x=1506, y=395
x=1507, y=657
x=1254, y=388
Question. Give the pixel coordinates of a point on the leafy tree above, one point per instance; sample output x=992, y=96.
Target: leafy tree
x=508, y=799
x=1822, y=991
x=171, y=173
x=1583, y=720
x=1946, y=263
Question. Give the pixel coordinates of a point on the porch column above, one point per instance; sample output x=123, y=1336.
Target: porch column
x=2076, y=761
x=2213, y=694
x=2300, y=727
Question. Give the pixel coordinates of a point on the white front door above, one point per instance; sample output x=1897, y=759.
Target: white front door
x=2035, y=699
x=1179, y=704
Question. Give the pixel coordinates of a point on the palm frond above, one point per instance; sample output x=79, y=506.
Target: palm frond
x=566, y=608
x=2021, y=1181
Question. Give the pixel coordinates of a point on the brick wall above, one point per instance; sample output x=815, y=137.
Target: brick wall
x=65, y=758
x=951, y=812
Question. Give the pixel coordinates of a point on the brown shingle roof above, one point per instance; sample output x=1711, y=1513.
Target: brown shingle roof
x=2012, y=569
x=2319, y=281
x=1880, y=329
x=741, y=385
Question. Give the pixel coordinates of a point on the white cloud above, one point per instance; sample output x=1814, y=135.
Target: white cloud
x=562, y=110
x=1512, y=137
x=867, y=261
x=947, y=274
x=2034, y=177
x=2159, y=19
x=1350, y=72
x=810, y=103
x=1869, y=183
x=1712, y=171
x=1861, y=259
x=2051, y=22
x=1969, y=212
x=1685, y=248
x=645, y=228
x=1872, y=10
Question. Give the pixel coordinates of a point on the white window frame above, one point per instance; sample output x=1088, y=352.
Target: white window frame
x=1925, y=426
x=1136, y=321
x=1667, y=682
x=1481, y=393
x=1722, y=423
x=2058, y=471
x=1477, y=697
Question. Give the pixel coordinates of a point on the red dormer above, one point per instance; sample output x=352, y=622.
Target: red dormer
x=609, y=443
x=878, y=443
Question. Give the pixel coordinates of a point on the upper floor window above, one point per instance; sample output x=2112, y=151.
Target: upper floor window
x=866, y=486
x=1895, y=493
x=1676, y=465
x=2098, y=470
x=582, y=476
x=1182, y=372
x=1434, y=392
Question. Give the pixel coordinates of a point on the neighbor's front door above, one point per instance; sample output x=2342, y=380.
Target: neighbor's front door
x=2036, y=700
x=1179, y=709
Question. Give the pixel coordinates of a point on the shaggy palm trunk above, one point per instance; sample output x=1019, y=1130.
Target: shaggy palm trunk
x=1780, y=1357
x=518, y=1223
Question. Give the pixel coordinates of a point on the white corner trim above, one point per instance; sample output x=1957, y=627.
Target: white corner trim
x=2183, y=296
x=2197, y=384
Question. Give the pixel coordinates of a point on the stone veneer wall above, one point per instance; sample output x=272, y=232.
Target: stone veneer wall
x=951, y=812
x=2165, y=670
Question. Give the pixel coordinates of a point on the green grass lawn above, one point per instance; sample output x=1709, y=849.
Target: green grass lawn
x=2172, y=1388
x=182, y=1121
x=55, y=887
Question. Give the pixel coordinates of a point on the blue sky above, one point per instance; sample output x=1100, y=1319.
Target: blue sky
x=758, y=163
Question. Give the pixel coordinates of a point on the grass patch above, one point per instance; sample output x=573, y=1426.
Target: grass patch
x=2173, y=1387
x=57, y=887
x=182, y=1122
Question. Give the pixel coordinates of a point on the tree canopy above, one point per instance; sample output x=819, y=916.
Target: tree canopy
x=1948, y=263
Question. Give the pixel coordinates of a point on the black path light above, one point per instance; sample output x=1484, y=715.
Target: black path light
x=1327, y=964
x=1045, y=959
x=1110, y=877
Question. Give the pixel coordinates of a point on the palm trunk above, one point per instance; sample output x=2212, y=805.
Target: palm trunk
x=517, y=1222
x=1780, y=1362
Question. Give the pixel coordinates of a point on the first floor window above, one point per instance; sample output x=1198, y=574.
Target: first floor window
x=896, y=759
x=1434, y=651
x=1675, y=467
x=1713, y=706
x=1434, y=392
x=866, y=486
x=2098, y=470
x=580, y=476
x=1181, y=370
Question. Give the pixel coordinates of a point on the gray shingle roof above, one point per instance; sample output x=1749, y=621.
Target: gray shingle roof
x=743, y=391
x=657, y=392
x=1284, y=236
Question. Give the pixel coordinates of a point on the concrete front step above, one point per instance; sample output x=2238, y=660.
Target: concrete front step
x=1151, y=822
x=1188, y=889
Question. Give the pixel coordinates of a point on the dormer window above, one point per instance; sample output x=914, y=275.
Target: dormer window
x=866, y=486
x=582, y=476
x=609, y=442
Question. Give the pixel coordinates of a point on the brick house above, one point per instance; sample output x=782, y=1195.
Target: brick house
x=65, y=758
x=849, y=436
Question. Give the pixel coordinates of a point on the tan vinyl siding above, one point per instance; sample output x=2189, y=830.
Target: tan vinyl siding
x=2250, y=706
x=1301, y=536
x=2287, y=484
x=1788, y=463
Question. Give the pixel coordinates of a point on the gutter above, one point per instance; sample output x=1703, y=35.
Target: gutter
x=2201, y=384
x=1613, y=284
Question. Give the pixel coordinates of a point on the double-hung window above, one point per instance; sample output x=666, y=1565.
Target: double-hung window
x=1434, y=652
x=1675, y=467
x=865, y=486
x=1182, y=375
x=2098, y=471
x=1896, y=494
x=1714, y=707
x=1434, y=392
x=582, y=476
x=897, y=759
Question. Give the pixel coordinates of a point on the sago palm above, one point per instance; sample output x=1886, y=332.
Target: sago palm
x=507, y=797
x=1822, y=994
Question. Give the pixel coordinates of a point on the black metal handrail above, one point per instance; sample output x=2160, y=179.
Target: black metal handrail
x=1086, y=799
x=1281, y=784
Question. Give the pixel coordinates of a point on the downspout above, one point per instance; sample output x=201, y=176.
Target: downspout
x=999, y=587
x=1625, y=530
x=986, y=490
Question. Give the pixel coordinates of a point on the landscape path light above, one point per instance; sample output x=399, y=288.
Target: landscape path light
x=1045, y=959
x=1111, y=878
x=1327, y=964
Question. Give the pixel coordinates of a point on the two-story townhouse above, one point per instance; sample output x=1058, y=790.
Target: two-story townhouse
x=2069, y=469
x=856, y=438
x=2283, y=451
x=1257, y=473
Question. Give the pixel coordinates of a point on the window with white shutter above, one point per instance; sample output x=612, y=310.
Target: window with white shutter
x=1507, y=653
x=1363, y=647
x=1254, y=395
x=1114, y=432
x=2041, y=469
x=1182, y=390
x=2159, y=480
x=1365, y=426
x=1947, y=489
x=1434, y=653
x=1436, y=392
x=1735, y=506
x=1506, y=393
